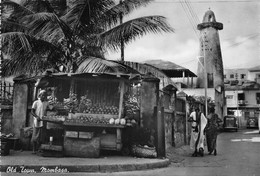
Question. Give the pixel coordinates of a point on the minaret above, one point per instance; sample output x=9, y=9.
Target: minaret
x=210, y=52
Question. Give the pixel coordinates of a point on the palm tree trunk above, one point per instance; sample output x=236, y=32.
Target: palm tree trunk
x=122, y=40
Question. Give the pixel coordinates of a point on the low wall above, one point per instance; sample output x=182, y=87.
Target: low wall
x=179, y=129
x=6, y=119
x=168, y=120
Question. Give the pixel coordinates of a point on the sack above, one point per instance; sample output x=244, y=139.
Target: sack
x=144, y=152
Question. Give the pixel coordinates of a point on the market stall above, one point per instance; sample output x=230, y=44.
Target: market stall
x=90, y=109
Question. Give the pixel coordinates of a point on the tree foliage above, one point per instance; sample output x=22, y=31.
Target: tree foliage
x=37, y=36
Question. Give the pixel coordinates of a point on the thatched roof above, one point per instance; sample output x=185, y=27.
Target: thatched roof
x=171, y=69
x=143, y=68
x=97, y=65
x=110, y=67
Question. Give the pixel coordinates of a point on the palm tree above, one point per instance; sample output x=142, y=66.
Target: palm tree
x=36, y=37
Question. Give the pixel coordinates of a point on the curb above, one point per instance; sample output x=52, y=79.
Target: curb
x=82, y=168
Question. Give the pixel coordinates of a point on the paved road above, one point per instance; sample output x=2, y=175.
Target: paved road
x=238, y=155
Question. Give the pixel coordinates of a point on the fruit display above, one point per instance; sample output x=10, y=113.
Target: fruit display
x=131, y=104
x=111, y=121
x=88, y=119
x=92, y=119
x=71, y=103
x=98, y=109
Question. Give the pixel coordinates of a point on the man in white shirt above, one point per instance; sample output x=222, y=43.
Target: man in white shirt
x=39, y=109
x=199, y=122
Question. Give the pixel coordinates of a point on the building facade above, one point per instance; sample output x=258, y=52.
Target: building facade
x=242, y=92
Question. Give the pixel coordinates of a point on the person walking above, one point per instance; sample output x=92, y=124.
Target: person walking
x=212, y=131
x=39, y=109
x=198, y=124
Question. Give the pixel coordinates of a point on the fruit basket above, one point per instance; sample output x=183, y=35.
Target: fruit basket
x=144, y=151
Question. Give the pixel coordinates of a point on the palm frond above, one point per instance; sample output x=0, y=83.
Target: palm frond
x=19, y=65
x=127, y=6
x=83, y=13
x=111, y=17
x=47, y=26
x=132, y=29
x=14, y=10
x=15, y=41
x=98, y=65
x=38, y=6
x=11, y=26
x=27, y=53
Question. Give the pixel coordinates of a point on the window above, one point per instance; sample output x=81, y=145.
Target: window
x=232, y=76
x=210, y=80
x=225, y=76
x=243, y=76
x=247, y=114
x=241, y=96
x=257, y=98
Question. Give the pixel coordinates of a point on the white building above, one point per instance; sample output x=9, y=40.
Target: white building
x=242, y=92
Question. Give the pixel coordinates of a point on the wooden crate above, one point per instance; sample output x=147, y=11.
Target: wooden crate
x=72, y=134
x=86, y=135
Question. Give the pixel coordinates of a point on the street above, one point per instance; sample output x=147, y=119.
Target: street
x=238, y=154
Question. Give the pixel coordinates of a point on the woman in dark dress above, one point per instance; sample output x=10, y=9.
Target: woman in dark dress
x=212, y=130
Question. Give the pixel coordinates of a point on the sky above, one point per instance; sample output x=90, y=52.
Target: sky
x=239, y=39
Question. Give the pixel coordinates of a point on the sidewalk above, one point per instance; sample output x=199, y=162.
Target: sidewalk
x=178, y=156
x=25, y=161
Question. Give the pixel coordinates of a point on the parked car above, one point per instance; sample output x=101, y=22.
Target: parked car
x=252, y=122
x=230, y=123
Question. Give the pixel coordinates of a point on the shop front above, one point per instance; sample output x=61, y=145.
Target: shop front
x=91, y=113
x=88, y=113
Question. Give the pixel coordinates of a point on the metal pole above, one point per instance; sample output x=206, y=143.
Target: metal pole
x=205, y=75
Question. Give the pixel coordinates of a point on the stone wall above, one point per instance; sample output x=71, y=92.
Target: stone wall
x=6, y=119
x=168, y=120
x=19, y=107
x=179, y=129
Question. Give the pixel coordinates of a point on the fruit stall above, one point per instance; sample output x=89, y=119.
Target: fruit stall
x=92, y=110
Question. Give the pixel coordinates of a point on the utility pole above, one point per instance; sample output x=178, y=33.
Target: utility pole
x=205, y=75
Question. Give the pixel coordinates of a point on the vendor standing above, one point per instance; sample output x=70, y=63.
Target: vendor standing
x=39, y=109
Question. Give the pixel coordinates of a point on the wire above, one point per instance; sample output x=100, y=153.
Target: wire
x=239, y=43
x=250, y=36
x=190, y=18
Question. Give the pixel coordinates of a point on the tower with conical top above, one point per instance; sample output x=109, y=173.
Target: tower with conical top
x=210, y=53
